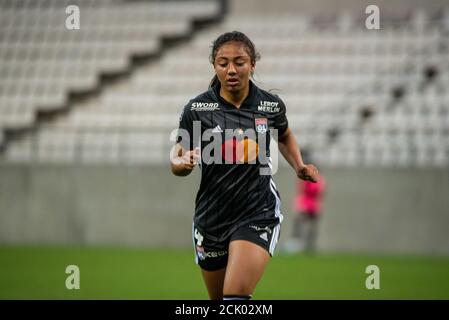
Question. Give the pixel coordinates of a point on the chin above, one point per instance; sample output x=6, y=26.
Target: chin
x=234, y=89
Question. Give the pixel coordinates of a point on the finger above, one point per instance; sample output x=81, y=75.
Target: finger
x=312, y=176
x=190, y=165
x=187, y=159
x=194, y=159
x=197, y=157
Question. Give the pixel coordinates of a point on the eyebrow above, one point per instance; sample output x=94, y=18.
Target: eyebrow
x=232, y=58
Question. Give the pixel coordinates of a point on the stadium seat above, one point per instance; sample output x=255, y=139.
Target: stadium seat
x=355, y=98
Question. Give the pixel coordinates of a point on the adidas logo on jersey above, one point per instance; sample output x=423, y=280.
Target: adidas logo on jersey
x=217, y=129
x=264, y=236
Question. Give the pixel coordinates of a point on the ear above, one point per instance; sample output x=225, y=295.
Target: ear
x=253, y=67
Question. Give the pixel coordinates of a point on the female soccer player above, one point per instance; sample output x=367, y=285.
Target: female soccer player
x=226, y=130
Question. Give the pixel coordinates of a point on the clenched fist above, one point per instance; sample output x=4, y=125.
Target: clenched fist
x=309, y=172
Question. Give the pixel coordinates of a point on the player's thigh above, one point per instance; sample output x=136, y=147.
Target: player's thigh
x=249, y=252
x=246, y=264
x=214, y=281
x=212, y=257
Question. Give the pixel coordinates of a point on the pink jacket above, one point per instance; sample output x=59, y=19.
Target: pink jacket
x=309, y=196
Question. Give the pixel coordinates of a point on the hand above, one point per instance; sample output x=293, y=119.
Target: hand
x=190, y=158
x=309, y=172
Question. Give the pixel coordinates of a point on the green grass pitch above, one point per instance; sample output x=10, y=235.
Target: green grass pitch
x=120, y=273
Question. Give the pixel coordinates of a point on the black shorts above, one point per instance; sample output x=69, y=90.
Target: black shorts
x=213, y=255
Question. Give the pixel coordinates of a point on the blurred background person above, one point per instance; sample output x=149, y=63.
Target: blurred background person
x=307, y=205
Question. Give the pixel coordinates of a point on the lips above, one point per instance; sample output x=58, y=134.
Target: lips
x=232, y=82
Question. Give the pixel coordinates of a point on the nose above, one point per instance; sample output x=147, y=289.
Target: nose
x=231, y=69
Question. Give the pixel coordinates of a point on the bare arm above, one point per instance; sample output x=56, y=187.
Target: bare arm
x=290, y=150
x=182, y=162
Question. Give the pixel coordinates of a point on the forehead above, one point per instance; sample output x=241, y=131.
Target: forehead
x=232, y=49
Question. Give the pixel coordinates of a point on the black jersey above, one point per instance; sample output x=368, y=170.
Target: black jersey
x=236, y=186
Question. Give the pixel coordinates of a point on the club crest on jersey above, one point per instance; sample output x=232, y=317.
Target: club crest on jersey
x=261, y=125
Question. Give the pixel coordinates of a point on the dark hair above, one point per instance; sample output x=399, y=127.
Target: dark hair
x=228, y=37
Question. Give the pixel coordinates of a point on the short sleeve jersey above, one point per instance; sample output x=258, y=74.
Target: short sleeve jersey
x=236, y=186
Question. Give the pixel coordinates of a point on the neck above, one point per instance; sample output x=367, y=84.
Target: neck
x=235, y=98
